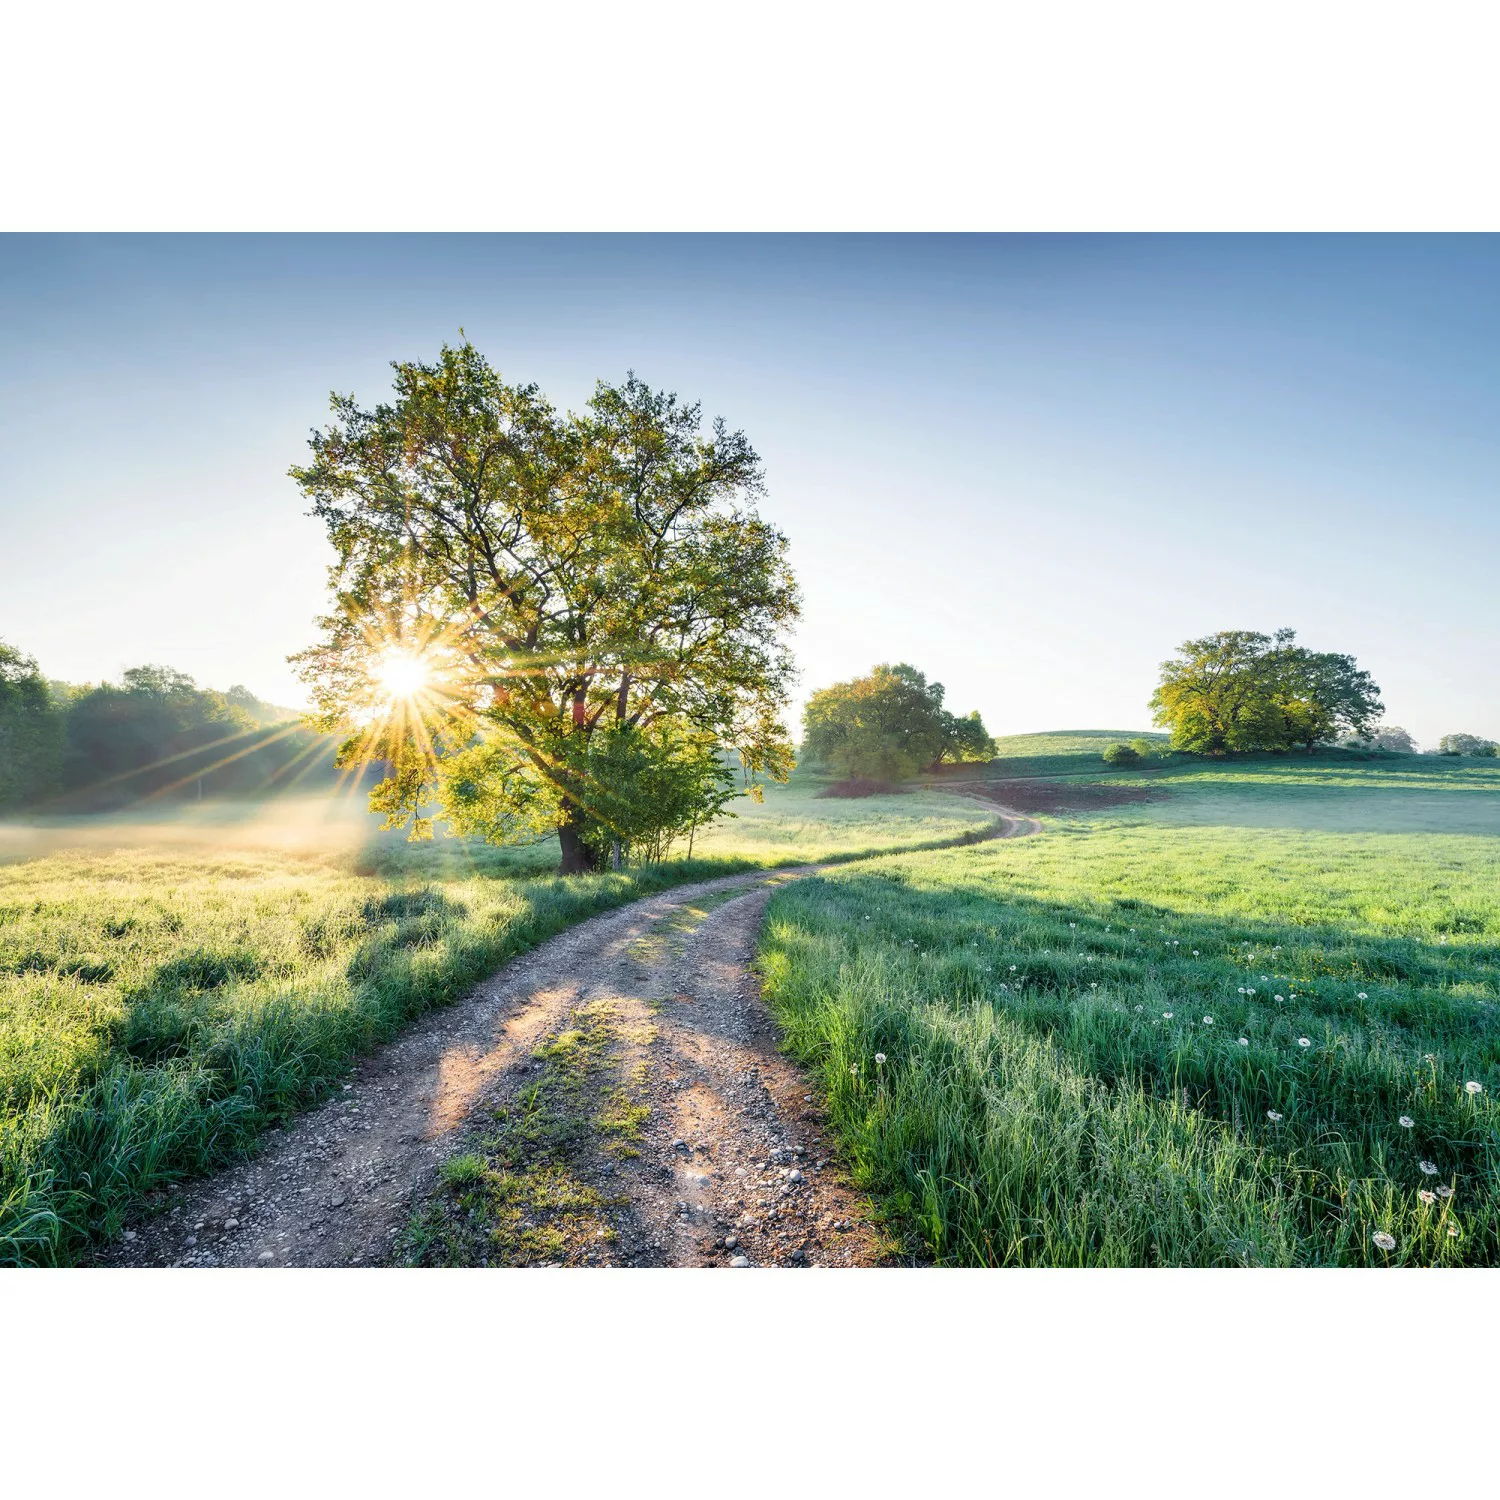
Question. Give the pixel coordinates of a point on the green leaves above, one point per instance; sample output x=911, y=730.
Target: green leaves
x=566, y=576
x=1240, y=690
x=888, y=726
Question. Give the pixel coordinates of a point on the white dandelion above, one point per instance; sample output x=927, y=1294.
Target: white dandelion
x=1445, y=1191
x=1473, y=1088
x=1303, y=1041
x=1453, y=1231
x=1363, y=996
x=1278, y=999
x=1384, y=1240
x=1425, y=1196
x=1275, y=1116
x=1406, y=1122
x=1166, y=1015
x=1242, y=989
x=1428, y=1168
x=1208, y=1020
x=1244, y=1041
x=879, y=1059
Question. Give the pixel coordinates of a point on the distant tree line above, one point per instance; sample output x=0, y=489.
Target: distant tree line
x=889, y=725
x=1241, y=691
x=1467, y=744
x=153, y=734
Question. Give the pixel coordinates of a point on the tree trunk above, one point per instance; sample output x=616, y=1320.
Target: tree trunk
x=577, y=857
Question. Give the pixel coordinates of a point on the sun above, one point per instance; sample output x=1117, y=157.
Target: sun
x=402, y=675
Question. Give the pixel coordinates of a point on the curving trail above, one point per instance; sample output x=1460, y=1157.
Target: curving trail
x=723, y=1157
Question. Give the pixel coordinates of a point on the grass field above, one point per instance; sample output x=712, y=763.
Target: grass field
x=168, y=991
x=1063, y=752
x=1186, y=1032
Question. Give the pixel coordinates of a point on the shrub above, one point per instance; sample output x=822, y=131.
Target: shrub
x=1122, y=755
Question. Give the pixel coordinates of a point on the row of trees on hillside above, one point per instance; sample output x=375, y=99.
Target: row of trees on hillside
x=1240, y=690
x=889, y=725
x=152, y=734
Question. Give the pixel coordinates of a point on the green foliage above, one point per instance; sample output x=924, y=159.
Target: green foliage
x=1240, y=690
x=888, y=726
x=31, y=726
x=1060, y=1020
x=1121, y=756
x=1145, y=749
x=1467, y=744
x=558, y=579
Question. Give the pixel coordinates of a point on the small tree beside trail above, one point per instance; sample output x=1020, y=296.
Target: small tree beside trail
x=1240, y=690
x=547, y=623
x=889, y=725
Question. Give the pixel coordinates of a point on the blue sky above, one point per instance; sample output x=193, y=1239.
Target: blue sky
x=1030, y=465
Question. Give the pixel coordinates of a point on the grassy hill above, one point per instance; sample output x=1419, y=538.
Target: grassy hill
x=1059, y=752
x=1253, y=1021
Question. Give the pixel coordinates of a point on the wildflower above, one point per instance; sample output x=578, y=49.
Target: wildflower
x=1406, y=1122
x=1264, y=979
x=1363, y=996
x=1453, y=1231
x=879, y=1059
x=854, y=1070
x=1094, y=986
x=1242, y=989
x=1425, y=1196
x=1244, y=1041
x=1303, y=1041
x=1473, y=1088
x=1445, y=1191
x=1275, y=1116
x=1278, y=999
x=1384, y=1240
x=1208, y=1020
x=1012, y=968
x=1429, y=1168
x=1166, y=1015
x=1140, y=1007
x=1249, y=992
x=1195, y=953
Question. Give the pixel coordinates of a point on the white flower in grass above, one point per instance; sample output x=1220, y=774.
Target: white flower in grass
x=1072, y=924
x=1140, y=1007
x=1363, y=996
x=1243, y=990
x=1094, y=986
x=1012, y=968
x=1304, y=1041
x=1445, y=1191
x=1275, y=1116
x=1249, y=992
x=1425, y=1196
x=1428, y=1168
x=1195, y=953
x=1244, y=1041
x=1453, y=1231
x=1406, y=1122
x=1278, y=999
x=1264, y=979
x=1166, y=1015
x=1383, y=1240
x=1208, y=1020
x=1473, y=1088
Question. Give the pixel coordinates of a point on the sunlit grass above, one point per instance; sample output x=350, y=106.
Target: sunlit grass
x=1087, y=1062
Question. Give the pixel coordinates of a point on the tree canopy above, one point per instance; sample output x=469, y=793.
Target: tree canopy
x=1240, y=690
x=529, y=608
x=31, y=729
x=1467, y=744
x=888, y=726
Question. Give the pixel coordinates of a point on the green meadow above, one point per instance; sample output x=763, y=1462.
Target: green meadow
x=1251, y=1022
x=170, y=990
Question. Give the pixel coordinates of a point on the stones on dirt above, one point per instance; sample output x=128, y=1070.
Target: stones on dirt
x=740, y=1261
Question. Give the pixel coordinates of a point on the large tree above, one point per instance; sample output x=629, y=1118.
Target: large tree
x=1241, y=690
x=888, y=725
x=526, y=604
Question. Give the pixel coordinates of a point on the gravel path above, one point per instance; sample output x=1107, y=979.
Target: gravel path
x=723, y=1160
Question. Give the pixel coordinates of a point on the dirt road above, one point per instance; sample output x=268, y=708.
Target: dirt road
x=614, y=1098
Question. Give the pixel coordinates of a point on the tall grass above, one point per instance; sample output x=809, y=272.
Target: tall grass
x=1064, y=1080
x=167, y=992
x=157, y=1013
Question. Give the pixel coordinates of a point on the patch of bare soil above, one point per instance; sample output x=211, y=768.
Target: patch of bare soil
x=1054, y=796
x=615, y=1098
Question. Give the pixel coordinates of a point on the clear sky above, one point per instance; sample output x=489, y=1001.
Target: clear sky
x=1029, y=465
